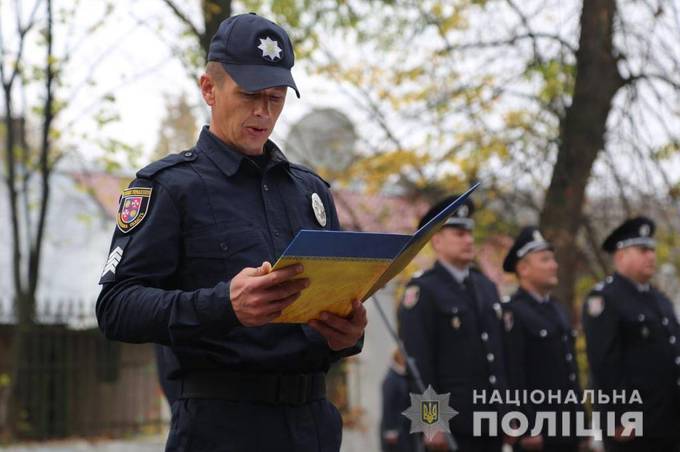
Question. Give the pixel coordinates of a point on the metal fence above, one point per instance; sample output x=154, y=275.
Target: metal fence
x=72, y=381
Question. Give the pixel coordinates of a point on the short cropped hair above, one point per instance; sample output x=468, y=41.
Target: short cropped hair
x=216, y=72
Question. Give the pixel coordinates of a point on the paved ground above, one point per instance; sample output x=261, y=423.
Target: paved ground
x=352, y=442
x=145, y=444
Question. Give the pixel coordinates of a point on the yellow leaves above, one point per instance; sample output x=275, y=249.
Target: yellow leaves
x=377, y=170
x=516, y=119
x=448, y=17
x=666, y=151
x=557, y=78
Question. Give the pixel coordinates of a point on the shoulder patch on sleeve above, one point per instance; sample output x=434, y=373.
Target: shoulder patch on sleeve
x=133, y=208
x=115, y=256
x=595, y=305
x=304, y=169
x=166, y=162
x=411, y=296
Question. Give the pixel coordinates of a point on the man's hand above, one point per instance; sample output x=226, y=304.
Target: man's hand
x=258, y=295
x=620, y=437
x=532, y=442
x=438, y=442
x=342, y=332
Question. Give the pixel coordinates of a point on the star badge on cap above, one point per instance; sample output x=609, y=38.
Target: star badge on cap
x=270, y=49
x=645, y=230
x=538, y=237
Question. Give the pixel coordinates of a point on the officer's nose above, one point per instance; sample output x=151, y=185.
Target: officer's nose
x=263, y=107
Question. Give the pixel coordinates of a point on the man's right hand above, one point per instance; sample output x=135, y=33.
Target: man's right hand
x=438, y=442
x=620, y=437
x=532, y=442
x=258, y=295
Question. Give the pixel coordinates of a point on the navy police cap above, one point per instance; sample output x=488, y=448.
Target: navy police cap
x=638, y=231
x=255, y=52
x=528, y=241
x=461, y=218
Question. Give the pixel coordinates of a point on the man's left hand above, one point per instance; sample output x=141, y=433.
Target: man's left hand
x=341, y=332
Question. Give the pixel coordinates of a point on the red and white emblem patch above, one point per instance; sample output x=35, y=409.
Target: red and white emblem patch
x=411, y=295
x=134, y=204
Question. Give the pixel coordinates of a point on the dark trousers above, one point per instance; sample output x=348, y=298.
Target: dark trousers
x=643, y=445
x=472, y=444
x=550, y=448
x=201, y=425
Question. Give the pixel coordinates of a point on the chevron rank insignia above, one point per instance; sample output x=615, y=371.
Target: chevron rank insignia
x=109, y=273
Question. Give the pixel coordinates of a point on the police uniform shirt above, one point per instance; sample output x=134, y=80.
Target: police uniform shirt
x=453, y=331
x=209, y=213
x=633, y=344
x=539, y=354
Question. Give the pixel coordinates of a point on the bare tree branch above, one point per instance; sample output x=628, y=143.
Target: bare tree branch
x=182, y=17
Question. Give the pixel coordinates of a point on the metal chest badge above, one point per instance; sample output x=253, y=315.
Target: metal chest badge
x=319, y=210
x=134, y=204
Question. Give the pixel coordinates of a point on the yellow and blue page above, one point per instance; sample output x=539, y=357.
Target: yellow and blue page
x=343, y=266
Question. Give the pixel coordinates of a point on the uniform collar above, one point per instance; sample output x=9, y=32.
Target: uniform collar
x=639, y=287
x=227, y=159
x=458, y=274
x=533, y=296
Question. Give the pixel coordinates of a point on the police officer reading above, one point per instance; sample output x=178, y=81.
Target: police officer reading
x=190, y=265
x=539, y=345
x=633, y=342
x=450, y=322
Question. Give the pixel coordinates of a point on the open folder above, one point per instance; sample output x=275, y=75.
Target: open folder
x=343, y=266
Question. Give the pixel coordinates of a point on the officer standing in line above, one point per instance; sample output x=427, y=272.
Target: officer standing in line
x=394, y=426
x=539, y=344
x=450, y=322
x=190, y=265
x=632, y=340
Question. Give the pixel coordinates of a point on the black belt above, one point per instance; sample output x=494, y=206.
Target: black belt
x=295, y=389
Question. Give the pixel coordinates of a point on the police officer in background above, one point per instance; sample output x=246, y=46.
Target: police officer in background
x=394, y=426
x=632, y=341
x=190, y=265
x=539, y=344
x=450, y=322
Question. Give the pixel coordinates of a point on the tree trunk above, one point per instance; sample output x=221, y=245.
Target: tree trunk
x=214, y=12
x=582, y=133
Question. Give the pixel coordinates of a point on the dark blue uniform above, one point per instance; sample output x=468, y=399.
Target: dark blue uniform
x=539, y=354
x=454, y=333
x=633, y=341
x=211, y=212
x=395, y=400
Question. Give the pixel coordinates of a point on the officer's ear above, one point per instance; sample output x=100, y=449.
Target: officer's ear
x=436, y=240
x=207, y=85
x=520, y=267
